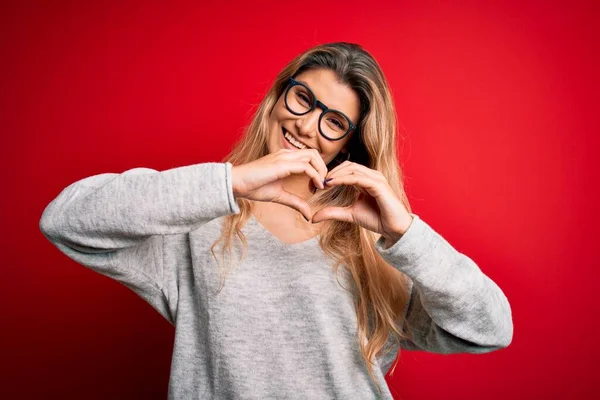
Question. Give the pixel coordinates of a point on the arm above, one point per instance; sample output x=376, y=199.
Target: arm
x=115, y=224
x=454, y=307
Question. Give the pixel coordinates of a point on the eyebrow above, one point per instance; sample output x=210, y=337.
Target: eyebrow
x=304, y=82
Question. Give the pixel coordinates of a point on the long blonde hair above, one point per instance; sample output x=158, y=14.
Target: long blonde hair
x=380, y=291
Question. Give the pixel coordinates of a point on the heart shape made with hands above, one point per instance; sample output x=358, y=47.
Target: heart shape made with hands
x=377, y=208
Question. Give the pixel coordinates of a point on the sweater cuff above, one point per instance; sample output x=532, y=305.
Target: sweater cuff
x=233, y=205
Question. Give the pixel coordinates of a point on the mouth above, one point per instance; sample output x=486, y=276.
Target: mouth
x=288, y=137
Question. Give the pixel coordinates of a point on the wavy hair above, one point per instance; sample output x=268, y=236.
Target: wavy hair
x=379, y=290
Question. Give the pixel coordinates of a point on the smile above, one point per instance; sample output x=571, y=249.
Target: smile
x=290, y=139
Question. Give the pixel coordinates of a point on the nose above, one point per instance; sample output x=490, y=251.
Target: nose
x=308, y=125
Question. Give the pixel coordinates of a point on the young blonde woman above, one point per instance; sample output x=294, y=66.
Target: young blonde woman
x=281, y=285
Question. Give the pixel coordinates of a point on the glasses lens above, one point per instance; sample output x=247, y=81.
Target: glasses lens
x=299, y=99
x=334, y=125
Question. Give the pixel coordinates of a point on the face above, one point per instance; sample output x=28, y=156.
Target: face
x=305, y=128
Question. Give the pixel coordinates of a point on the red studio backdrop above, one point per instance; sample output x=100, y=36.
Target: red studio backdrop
x=498, y=120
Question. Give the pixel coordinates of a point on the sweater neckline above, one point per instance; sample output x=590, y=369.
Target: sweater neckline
x=275, y=239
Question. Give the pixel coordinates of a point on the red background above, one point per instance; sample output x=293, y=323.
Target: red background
x=498, y=105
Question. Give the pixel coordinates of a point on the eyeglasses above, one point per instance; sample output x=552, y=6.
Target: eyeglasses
x=300, y=100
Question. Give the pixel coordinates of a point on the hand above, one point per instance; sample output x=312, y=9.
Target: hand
x=377, y=209
x=260, y=180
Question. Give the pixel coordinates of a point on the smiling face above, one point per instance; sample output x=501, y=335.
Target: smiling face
x=305, y=128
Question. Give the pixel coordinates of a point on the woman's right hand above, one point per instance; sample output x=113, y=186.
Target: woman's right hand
x=260, y=180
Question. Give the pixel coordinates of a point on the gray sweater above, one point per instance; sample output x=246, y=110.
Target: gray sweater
x=282, y=327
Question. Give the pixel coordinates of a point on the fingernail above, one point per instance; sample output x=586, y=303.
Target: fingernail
x=326, y=180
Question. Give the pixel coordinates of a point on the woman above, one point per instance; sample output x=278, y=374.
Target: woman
x=280, y=322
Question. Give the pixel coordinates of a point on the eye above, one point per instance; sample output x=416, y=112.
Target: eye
x=339, y=124
x=304, y=98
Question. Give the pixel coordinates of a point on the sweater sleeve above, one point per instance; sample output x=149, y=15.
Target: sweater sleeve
x=115, y=224
x=453, y=307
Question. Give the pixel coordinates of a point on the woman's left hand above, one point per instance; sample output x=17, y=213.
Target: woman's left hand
x=377, y=209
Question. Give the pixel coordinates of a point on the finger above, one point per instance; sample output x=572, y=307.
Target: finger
x=349, y=169
x=359, y=169
x=319, y=164
x=311, y=157
x=372, y=186
x=297, y=203
x=305, y=167
x=315, y=164
x=347, y=172
x=377, y=175
x=337, y=168
x=337, y=213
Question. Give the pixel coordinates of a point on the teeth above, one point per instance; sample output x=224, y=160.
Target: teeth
x=294, y=141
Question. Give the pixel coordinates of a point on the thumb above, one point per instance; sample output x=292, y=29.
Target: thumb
x=337, y=213
x=297, y=203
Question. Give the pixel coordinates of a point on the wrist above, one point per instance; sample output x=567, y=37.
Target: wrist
x=394, y=236
x=237, y=184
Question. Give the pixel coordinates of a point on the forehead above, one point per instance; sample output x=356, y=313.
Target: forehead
x=326, y=87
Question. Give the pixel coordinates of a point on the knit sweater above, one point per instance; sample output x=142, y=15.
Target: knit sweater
x=282, y=327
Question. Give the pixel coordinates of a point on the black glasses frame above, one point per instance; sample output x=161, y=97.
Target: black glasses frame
x=291, y=84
